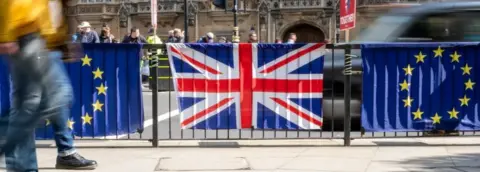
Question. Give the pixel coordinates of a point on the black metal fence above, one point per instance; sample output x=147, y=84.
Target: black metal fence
x=341, y=106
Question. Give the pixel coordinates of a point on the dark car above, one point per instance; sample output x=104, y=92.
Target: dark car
x=456, y=21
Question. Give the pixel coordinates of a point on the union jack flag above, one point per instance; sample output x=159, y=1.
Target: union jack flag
x=265, y=86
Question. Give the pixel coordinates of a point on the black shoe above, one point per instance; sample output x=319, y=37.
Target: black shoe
x=75, y=161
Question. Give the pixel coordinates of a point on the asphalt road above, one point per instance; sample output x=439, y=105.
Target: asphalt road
x=169, y=127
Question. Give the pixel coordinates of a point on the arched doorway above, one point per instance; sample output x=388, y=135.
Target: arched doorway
x=305, y=33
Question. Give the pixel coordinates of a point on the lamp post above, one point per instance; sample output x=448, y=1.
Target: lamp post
x=235, y=37
x=185, y=22
x=337, y=20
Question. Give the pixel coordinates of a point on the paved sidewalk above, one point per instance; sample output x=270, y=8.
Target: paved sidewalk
x=453, y=154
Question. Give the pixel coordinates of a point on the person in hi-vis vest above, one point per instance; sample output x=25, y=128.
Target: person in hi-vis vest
x=151, y=39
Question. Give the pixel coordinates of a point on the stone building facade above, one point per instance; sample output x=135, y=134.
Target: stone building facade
x=311, y=20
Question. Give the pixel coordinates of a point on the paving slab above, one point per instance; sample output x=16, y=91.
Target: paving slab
x=340, y=152
x=204, y=164
x=328, y=164
x=272, y=163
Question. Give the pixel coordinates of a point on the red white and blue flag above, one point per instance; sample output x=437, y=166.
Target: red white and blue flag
x=264, y=86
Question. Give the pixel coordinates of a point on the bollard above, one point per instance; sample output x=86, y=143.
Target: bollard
x=347, y=96
x=154, y=73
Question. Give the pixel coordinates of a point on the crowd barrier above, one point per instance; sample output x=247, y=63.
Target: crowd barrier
x=106, y=85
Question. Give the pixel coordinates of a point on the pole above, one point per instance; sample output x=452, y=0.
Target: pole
x=347, y=96
x=185, y=22
x=154, y=71
x=153, y=64
x=347, y=35
x=235, y=37
x=337, y=21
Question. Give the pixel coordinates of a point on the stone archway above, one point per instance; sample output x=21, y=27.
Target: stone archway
x=306, y=32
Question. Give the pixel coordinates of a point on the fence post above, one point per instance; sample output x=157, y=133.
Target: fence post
x=347, y=95
x=154, y=69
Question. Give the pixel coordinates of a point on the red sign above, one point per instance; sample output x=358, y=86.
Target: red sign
x=348, y=10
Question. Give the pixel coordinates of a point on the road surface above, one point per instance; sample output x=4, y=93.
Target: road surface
x=169, y=126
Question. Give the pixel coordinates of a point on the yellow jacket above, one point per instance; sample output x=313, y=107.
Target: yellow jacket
x=55, y=31
x=21, y=17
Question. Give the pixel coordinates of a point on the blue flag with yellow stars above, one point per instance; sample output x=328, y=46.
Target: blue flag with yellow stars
x=421, y=87
x=106, y=85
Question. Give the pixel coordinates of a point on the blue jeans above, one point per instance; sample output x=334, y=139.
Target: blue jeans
x=38, y=93
x=63, y=135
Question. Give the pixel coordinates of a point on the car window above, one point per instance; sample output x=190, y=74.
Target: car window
x=451, y=27
x=382, y=28
x=471, y=26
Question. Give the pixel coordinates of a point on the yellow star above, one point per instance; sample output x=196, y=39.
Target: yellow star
x=408, y=70
x=97, y=73
x=87, y=119
x=47, y=122
x=408, y=101
x=438, y=52
x=436, y=119
x=469, y=84
x=464, y=101
x=86, y=60
x=404, y=85
x=420, y=57
x=102, y=89
x=455, y=57
x=453, y=113
x=70, y=123
x=466, y=69
x=417, y=114
x=97, y=106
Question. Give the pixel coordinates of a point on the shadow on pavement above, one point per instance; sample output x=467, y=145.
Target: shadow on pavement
x=459, y=162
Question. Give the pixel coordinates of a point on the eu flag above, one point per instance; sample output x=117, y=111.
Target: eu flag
x=418, y=87
x=107, y=90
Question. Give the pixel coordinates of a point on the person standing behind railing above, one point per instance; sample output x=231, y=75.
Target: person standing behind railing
x=278, y=41
x=222, y=40
x=208, y=38
x=88, y=35
x=292, y=38
x=252, y=38
x=171, y=37
x=178, y=36
x=134, y=37
x=151, y=39
x=77, y=36
x=106, y=36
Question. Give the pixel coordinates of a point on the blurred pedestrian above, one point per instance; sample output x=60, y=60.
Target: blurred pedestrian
x=252, y=37
x=39, y=88
x=292, y=38
x=88, y=35
x=134, y=37
x=106, y=36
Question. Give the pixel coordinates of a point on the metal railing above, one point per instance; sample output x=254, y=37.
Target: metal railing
x=342, y=97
